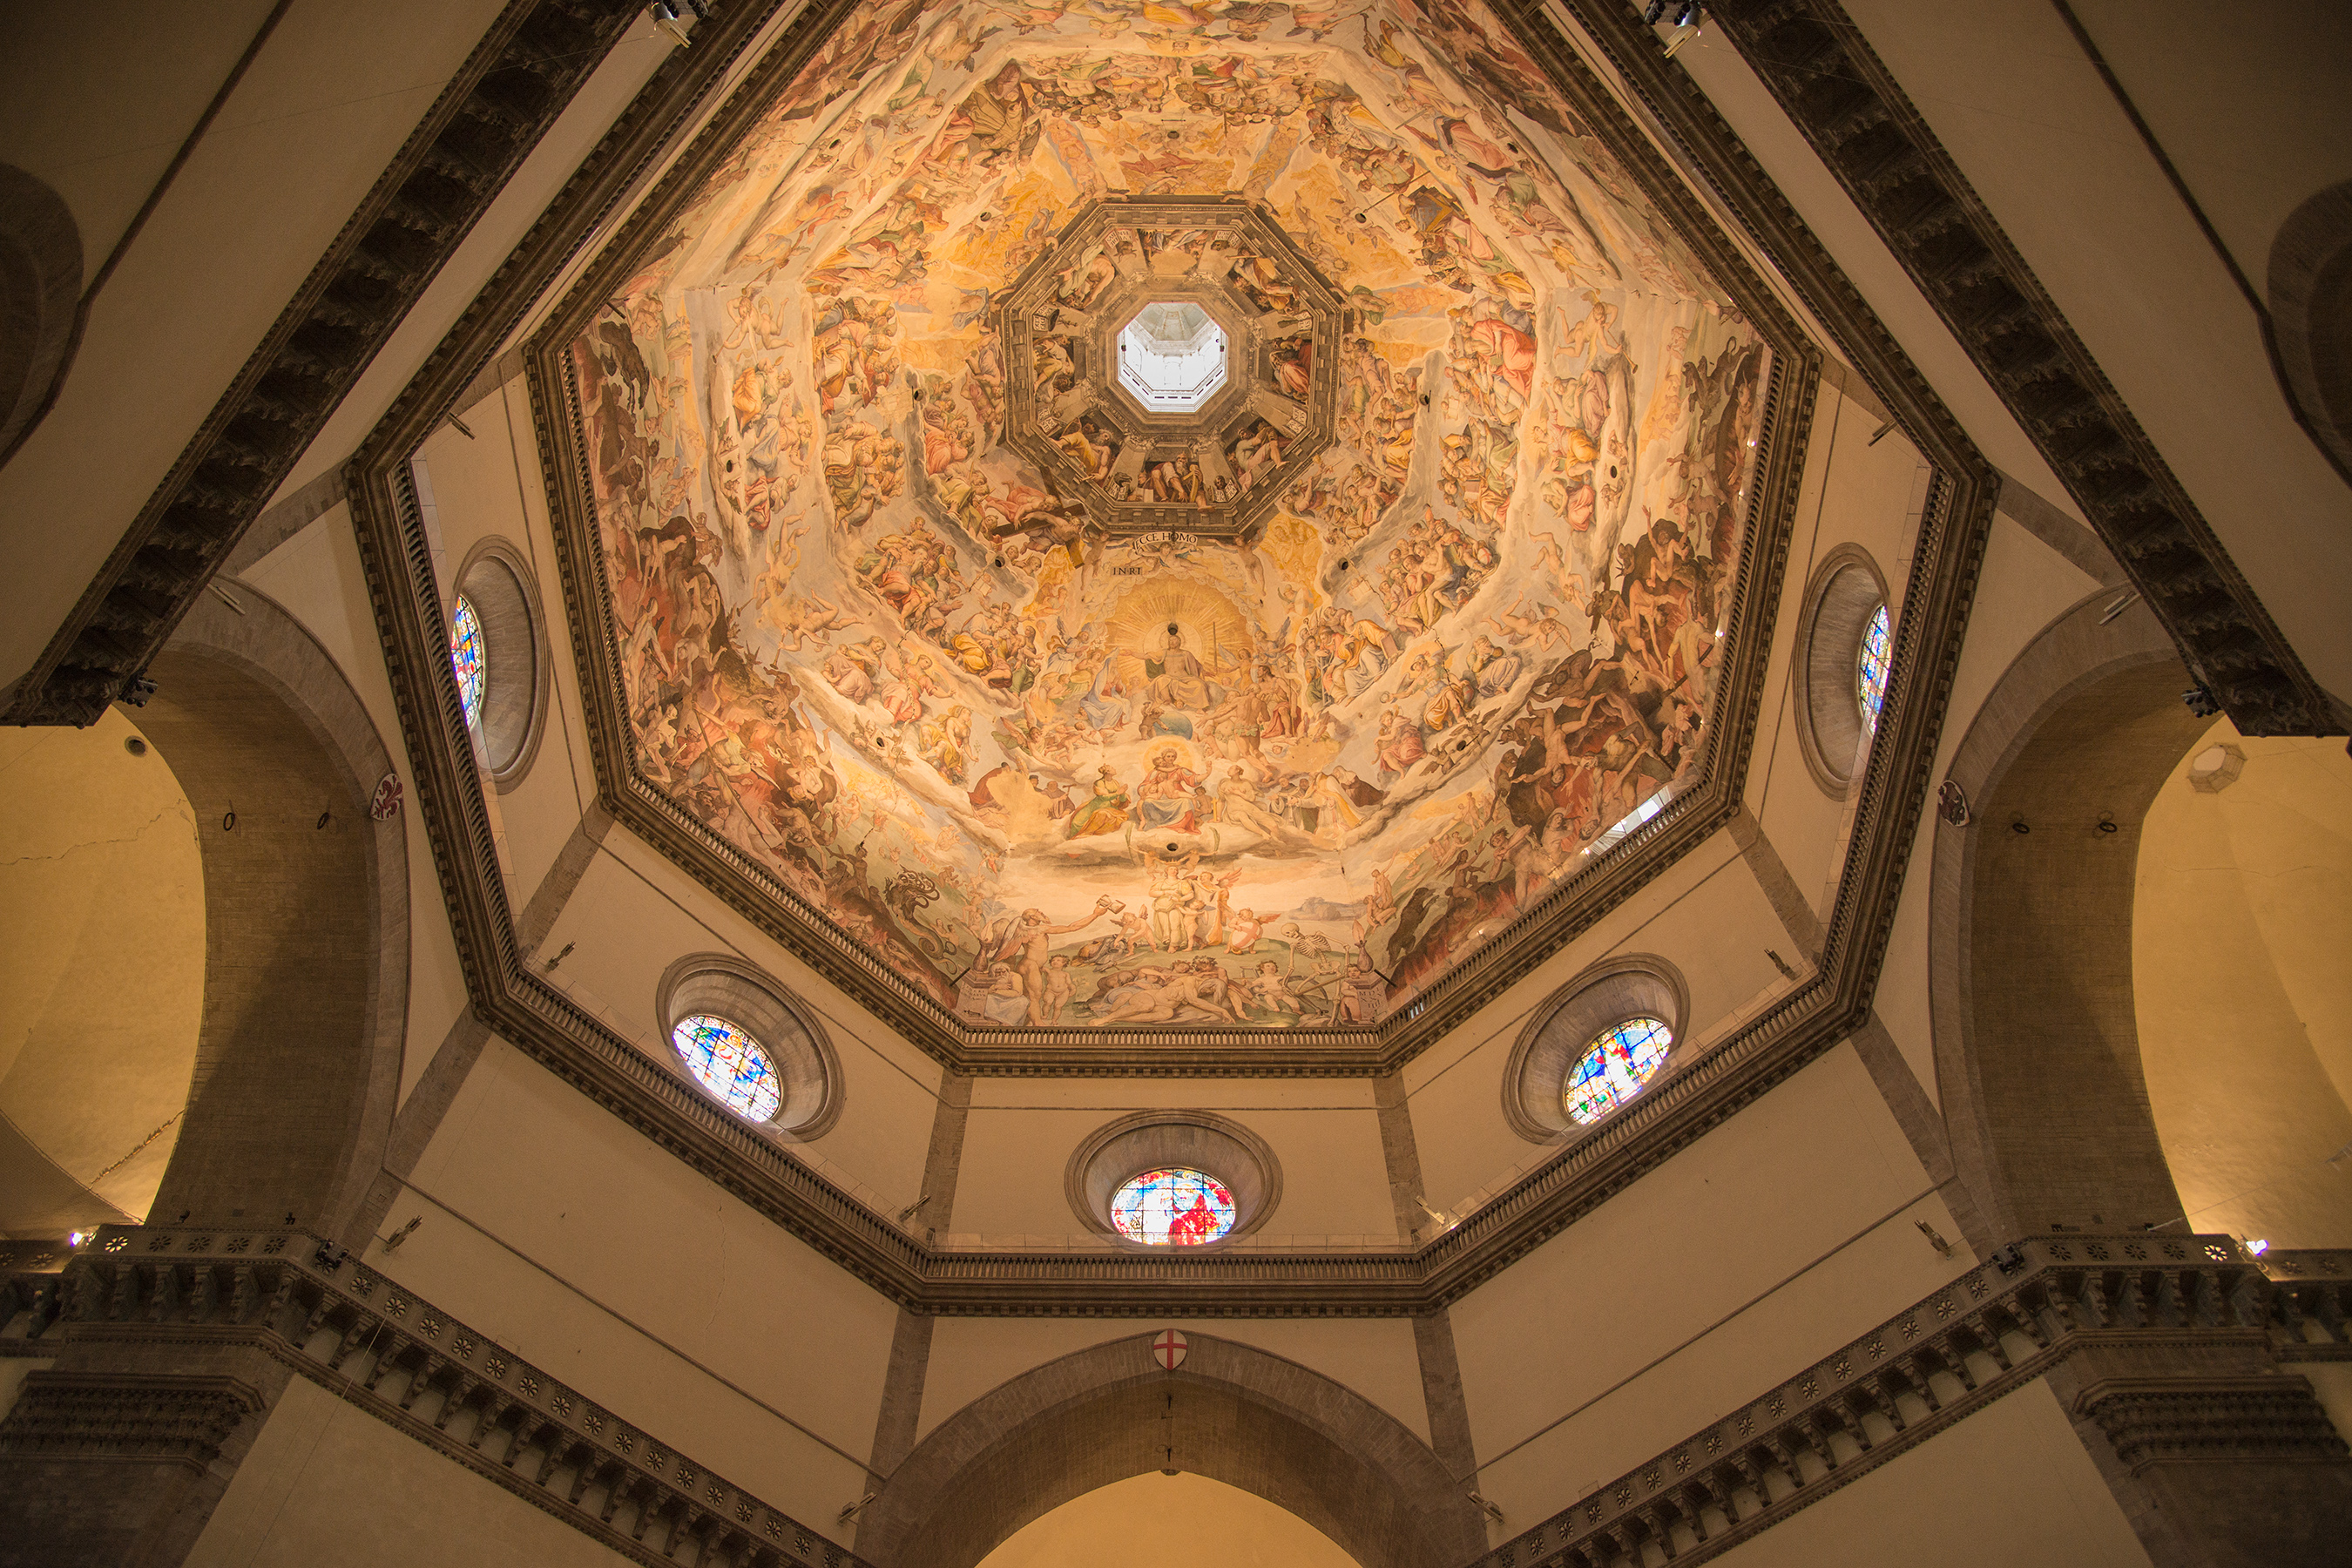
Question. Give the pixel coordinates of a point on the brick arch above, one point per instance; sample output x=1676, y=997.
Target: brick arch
x=306, y=921
x=2029, y=955
x=1236, y=1414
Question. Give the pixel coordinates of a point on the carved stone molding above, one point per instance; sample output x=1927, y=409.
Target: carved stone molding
x=512, y=86
x=1820, y=68
x=374, y=1345
x=2166, y=1420
x=2036, y=1304
x=76, y=1415
x=2033, y=1305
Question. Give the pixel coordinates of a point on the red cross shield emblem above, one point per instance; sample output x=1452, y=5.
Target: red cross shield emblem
x=1168, y=1349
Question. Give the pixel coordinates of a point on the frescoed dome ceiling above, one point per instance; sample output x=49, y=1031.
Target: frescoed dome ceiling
x=1265, y=707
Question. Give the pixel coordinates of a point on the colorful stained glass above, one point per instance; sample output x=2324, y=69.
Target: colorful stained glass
x=1173, y=1209
x=731, y=1065
x=467, y=656
x=1870, y=678
x=1621, y=1060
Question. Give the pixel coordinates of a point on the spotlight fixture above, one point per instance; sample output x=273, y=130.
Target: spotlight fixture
x=2257, y=1246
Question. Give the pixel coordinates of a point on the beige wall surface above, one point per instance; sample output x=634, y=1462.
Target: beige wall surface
x=1777, y=1237
x=1373, y=1357
x=634, y=914
x=1706, y=914
x=2011, y=1485
x=316, y=577
x=325, y=105
x=101, y=973
x=2241, y=974
x=2022, y=110
x=1169, y=1521
x=327, y=1482
x=1334, y=1181
x=599, y=1257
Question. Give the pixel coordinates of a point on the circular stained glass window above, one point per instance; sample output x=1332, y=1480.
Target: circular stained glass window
x=1870, y=675
x=1621, y=1060
x=467, y=656
x=731, y=1065
x=1173, y=1208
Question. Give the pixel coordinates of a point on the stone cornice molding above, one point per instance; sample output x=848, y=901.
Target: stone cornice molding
x=1989, y=1331
x=373, y=1344
x=512, y=88
x=1819, y=66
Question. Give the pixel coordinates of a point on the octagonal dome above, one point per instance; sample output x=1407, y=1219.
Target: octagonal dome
x=1172, y=356
x=1035, y=713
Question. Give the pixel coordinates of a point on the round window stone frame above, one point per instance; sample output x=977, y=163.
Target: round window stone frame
x=517, y=660
x=1846, y=588
x=807, y=1070
x=1560, y=1032
x=1117, y=1153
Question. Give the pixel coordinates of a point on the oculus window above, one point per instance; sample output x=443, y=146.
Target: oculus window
x=1171, y=356
x=1870, y=666
x=729, y=1063
x=1621, y=1060
x=468, y=658
x=1172, y=1207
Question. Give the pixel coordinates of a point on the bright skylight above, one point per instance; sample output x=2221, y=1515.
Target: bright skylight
x=1171, y=356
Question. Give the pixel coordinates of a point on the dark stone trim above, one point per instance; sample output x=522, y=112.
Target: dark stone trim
x=506, y=95
x=1820, y=68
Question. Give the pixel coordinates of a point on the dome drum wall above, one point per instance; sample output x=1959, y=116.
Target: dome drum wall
x=1561, y=1032
x=1215, y=1146
x=808, y=1072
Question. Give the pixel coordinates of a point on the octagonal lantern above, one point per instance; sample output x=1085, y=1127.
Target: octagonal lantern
x=1181, y=359
x=1172, y=356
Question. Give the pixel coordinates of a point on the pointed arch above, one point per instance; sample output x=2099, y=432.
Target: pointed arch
x=1232, y=1413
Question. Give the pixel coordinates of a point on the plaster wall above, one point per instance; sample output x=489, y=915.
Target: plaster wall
x=1372, y=1356
x=322, y=110
x=2241, y=920
x=101, y=973
x=326, y=1482
x=2022, y=587
x=1706, y=914
x=480, y=489
x=1817, y=198
x=634, y=914
x=585, y=1248
x=2019, y=106
x=2011, y=1484
x=316, y=577
x=1772, y=1240
x=1324, y=1132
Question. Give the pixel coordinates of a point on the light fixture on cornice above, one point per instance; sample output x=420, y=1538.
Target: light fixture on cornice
x=1689, y=18
x=666, y=16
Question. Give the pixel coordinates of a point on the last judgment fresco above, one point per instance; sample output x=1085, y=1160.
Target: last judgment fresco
x=1057, y=774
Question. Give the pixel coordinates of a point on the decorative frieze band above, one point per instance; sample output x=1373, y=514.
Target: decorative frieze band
x=170, y=1418
x=492, y=112
x=1987, y=1333
x=2153, y=1421
x=375, y=1343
